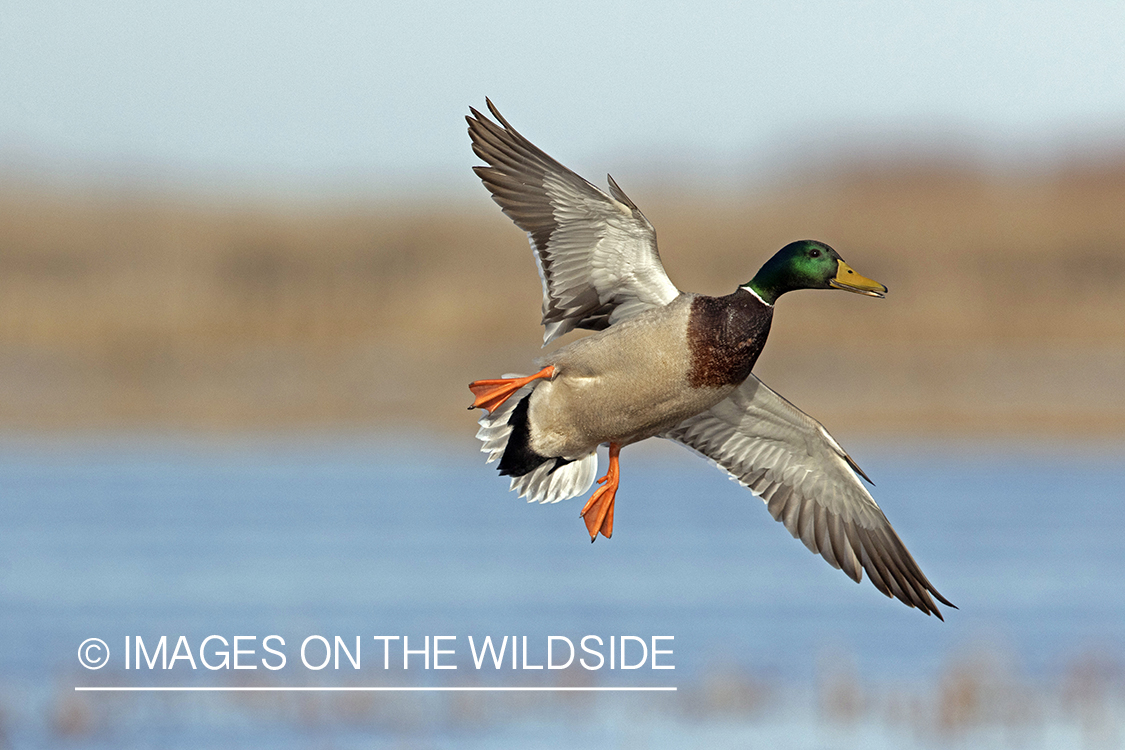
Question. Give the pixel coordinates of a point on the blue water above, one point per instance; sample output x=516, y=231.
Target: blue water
x=356, y=536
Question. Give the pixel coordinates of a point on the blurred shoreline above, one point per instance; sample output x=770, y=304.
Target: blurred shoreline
x=142, y=310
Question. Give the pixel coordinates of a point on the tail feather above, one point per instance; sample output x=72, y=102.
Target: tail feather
x=550, y=482
x=545, y=479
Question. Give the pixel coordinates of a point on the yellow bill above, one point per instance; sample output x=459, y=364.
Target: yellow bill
x=850, y=281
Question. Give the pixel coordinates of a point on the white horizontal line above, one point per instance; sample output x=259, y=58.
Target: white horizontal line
x=373, y=689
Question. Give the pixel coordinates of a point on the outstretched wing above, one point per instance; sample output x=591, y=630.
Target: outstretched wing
x=808, y=483
x=596, y=253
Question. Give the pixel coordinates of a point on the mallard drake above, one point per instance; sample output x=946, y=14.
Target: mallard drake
x=666, y=363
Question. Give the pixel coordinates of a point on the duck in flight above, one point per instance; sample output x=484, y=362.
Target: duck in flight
x=666, y=363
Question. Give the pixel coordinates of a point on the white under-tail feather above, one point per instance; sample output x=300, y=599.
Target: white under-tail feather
x=540, y=485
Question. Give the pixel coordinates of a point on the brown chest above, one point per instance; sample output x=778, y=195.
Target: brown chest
x=726, y=335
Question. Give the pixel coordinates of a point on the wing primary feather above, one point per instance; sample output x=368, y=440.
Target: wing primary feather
x=903, y=563
x=874, y=572
x=890, y=572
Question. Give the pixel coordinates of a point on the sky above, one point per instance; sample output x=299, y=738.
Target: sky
x=316, y=95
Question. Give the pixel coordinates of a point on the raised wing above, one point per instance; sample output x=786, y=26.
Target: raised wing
x=596, y=252
x=808, y=483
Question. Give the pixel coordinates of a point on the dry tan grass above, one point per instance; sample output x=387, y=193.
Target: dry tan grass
x=1006, y=312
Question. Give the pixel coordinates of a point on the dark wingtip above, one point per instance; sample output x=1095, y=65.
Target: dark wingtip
x=939, y=597
x=943, y=600
x=495, y=112
x=474, y=118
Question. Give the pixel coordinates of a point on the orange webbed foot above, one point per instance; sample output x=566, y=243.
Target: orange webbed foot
x=490, y=394
x=598, y=511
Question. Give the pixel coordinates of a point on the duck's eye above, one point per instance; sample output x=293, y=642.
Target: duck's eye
x=814, y=253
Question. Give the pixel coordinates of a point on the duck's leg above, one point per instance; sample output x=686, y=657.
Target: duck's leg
x=490, y=394
x=598, y=512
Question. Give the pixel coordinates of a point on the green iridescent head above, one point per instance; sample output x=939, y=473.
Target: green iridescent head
x=808, y=264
